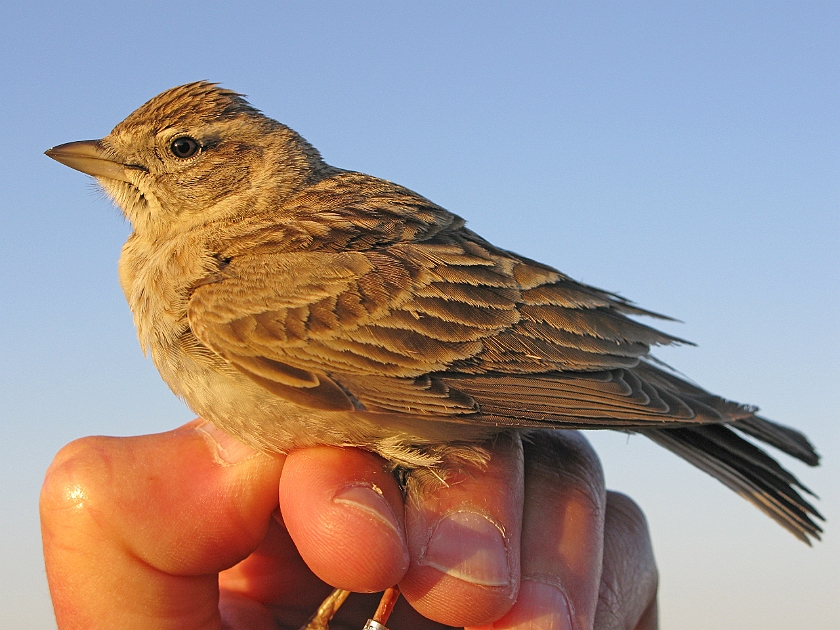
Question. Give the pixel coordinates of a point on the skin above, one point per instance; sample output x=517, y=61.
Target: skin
x=184, y=530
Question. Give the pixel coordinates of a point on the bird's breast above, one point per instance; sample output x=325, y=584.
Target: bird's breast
x=157, y=277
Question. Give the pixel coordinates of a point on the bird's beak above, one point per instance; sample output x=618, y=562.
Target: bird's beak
x=88, y=157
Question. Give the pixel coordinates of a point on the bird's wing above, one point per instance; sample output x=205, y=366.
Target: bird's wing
x=445, y=327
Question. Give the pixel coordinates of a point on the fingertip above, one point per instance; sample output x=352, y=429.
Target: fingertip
x=624, y=512
x=344, y=511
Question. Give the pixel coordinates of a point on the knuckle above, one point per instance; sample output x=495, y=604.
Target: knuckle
x=76, y=479
x=630, y=579
x=626, y=515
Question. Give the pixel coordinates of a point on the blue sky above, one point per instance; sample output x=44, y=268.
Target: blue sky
x=686, y=155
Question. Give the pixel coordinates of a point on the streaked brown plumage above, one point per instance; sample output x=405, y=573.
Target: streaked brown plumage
x=292, y=303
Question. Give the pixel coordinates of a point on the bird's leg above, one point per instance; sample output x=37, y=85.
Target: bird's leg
x=383, y=611
x=326, y=611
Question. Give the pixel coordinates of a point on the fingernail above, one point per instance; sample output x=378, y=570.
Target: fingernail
x=368, y=498
x=539, y=606
x=468, y=546
x=228, y=450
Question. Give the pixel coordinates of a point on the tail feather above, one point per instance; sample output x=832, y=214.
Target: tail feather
x=781, y=437
x=747, y=470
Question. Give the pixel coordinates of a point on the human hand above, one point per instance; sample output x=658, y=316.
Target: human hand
x=182, y=530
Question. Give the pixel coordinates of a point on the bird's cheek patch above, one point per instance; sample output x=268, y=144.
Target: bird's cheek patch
x=211, y=181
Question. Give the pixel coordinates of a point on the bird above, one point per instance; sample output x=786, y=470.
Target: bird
x=293, y=303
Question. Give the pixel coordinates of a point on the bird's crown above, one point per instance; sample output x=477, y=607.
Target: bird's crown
x=200, y=100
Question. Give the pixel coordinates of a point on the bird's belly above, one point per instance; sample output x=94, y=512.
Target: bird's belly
x=242, y=408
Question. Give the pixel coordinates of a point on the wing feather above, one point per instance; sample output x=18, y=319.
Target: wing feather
x=454, y=304
x=368, y=297
x=382, y=302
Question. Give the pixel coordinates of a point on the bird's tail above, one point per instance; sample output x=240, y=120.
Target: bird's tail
x=748, y=470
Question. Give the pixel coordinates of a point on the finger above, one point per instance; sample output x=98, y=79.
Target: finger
x=562, y=535
x=629, y=581
x=344, y=511
x=464, y=540
x=136, y=529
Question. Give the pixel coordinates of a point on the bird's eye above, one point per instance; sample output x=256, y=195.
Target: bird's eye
x=184, y=147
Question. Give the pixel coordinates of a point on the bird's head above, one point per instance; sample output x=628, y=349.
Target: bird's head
x=194, y=154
